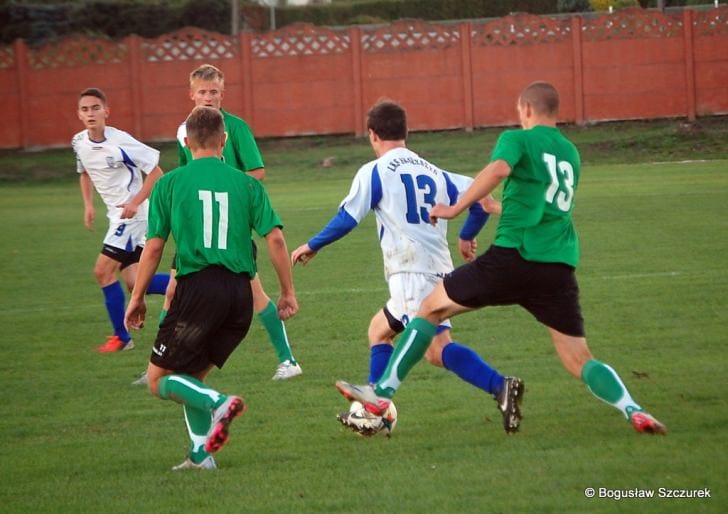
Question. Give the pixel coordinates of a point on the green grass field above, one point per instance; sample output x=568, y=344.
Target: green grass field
x=77, y=437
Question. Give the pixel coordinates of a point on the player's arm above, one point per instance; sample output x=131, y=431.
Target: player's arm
x=87, y=193
x=485, y=182
x=258, y=173
x=467, y=243
x=278, y=254
x=364, y=195
x=335, y=229
x=130, y=208
x=148, y=264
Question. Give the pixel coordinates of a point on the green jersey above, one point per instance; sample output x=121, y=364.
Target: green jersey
x=538, y=196
x=211, y=209
x=240, y=151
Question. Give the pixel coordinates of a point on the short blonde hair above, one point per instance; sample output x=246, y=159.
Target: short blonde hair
x=207, y=72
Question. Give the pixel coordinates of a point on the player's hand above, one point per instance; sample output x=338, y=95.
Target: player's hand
x=89, y=215
x=136, y=312
x=302, y=254
x=287, y=306
x=441, y=211
x=468, y=249
x=128, y=210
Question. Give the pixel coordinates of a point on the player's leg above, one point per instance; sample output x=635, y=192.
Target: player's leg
x=471, y=368
x=409, y=350
x=602, y=380
x=476, y=284
x=383, y=327
x=134, y=235
x=105, y=272
x=220, y=310
x=553, y=298
x=464, y=362
x=416, y=339
x=198, y=401
x=267, y=311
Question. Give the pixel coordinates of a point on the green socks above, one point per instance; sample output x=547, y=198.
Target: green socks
x=189, y=391
x=198, y=401
x=162, y=315
x=198, y=424
x=276, y=332
x=409, y=351
x=605, y=384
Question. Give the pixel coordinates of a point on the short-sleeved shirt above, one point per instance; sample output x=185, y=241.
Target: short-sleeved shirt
x=401, y=187
x=211, y=210
x=115, y=166
x=240, y=151
x=538, y=195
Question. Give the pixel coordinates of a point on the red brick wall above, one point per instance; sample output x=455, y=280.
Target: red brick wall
x=312, y=80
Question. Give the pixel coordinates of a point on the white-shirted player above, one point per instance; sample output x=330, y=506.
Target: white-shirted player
x=114, y=163
x=401, y=187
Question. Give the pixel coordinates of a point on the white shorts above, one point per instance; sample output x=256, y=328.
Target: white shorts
x=406, y=293
x=126, y=235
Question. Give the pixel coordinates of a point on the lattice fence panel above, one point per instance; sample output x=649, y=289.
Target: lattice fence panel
x=300, y=39
x=190, y=45
x=77, y=51
x=634, y=23
x=521, y=29
x=711, y=23
x=408, y=35
x=7, y=58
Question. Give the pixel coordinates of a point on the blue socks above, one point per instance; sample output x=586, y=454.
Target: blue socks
x=158, y=285
x=378, y=359
x=470, y=367
x=115, y=302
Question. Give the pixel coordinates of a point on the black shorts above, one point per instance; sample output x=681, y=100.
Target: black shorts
x=122, y=256
x=209, y=317
x=500, y=276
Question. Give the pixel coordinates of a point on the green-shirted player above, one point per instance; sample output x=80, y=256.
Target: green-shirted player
x=210, y=209
x=531, y=262
x=207, y=88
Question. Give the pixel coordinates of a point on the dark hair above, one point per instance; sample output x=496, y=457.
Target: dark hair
x=543, y=97
x=388, y=120
x=95, y=92
x=205, y=128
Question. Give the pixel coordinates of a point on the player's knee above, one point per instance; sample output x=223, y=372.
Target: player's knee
x=103, y=276
x=433, y=309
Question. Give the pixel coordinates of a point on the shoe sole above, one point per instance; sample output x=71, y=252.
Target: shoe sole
x=363, y=432
x=512, y=419
x=286, y=377
x=219, y=435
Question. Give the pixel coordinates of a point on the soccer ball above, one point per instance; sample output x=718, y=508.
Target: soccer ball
x=369, y=424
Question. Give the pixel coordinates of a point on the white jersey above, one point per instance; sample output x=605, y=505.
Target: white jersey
x=115, y=166
x=401, y=187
